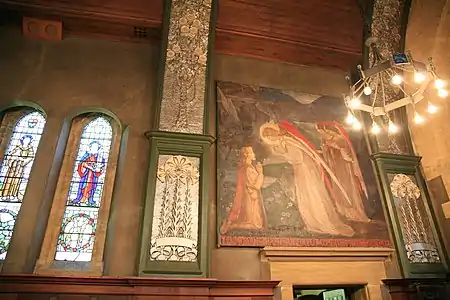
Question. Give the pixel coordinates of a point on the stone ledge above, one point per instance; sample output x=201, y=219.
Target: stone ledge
x=326, y=254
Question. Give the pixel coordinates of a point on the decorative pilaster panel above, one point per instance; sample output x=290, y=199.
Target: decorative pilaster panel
x=417, y=239
x=389, y=18
x=176, y=205
x=185, y=70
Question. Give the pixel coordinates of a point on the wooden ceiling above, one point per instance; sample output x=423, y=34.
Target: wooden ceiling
x=325, y=33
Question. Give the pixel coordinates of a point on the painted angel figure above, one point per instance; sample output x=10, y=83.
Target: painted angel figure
x=16, y=161
x=313, y=192
x=340, y=156
x=90, y=167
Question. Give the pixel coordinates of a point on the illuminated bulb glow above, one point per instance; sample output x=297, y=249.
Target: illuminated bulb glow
x=367, y=91
x=357, y=125
x=397, y=79
x=442, y=93
x=375, y=128
x=432, y=108
x=419, y=77
x=392, y=127
x=439, y=83
x=418, y=119
x=354, y=103
x=350, y=118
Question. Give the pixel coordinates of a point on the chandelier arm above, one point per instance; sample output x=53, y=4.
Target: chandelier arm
x=383, y=94
x=423, y=86
x=404, y=92
x=397, y=104
x=365, y=107
x=417, y=98
x=375, y=92
x=358, y=90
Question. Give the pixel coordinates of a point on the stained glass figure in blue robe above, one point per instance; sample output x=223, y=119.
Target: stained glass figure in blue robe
x=90, y=167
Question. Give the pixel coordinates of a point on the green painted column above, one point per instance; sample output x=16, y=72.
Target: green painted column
x=175, y=225
x=408, y=208
x=407, y=203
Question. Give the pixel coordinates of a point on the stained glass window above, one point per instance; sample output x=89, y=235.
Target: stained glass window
x=77, y=234
x=15, y=170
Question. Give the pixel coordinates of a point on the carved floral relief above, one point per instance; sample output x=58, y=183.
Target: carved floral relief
x=175, y=214
x=183, y=96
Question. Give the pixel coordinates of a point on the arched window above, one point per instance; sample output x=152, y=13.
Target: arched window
x=20, y=135
x=76, y=230
x=77, y=234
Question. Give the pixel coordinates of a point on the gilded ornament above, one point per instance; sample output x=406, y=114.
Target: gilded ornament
x=176, y=48
x=170, y=54
x=416, y=230
x=182, y=21
x=183, y=96
x=184, y=29
x=198, y=51
x=193, y=30
x=175, y=223
x=387, y=25
x=202, y=59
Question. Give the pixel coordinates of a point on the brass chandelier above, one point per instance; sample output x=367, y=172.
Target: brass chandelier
x=400, y=72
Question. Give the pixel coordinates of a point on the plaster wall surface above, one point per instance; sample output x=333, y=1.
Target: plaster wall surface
x=428, y=35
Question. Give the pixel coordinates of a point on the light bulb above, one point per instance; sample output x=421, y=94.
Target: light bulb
x=354, y=103
x=392, y=127
x=442, y=93
x=357, y=125
x=350, y=118
x=439, y=83
x=432, y=108
x=375, y=128
x=419, y=77
x=418, y=119
x=367, y=91
x=397, y=79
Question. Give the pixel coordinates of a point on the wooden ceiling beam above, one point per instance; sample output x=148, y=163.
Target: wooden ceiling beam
x=93, y=21
x=324, y=33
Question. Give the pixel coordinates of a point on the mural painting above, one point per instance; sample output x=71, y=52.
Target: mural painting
x=290, y=172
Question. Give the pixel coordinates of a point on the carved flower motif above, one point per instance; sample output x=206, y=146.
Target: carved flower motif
x=178, y=168
x=182, y=21
x=176, y=48
x=170, y=54
x=184, y=30
x=202, y=59
x=198, y=51
x=403, y=187
x=190, y=17
x=193, y=30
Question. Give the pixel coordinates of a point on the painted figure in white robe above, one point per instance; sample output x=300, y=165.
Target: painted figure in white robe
x=340, y=156
x=313, y=192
